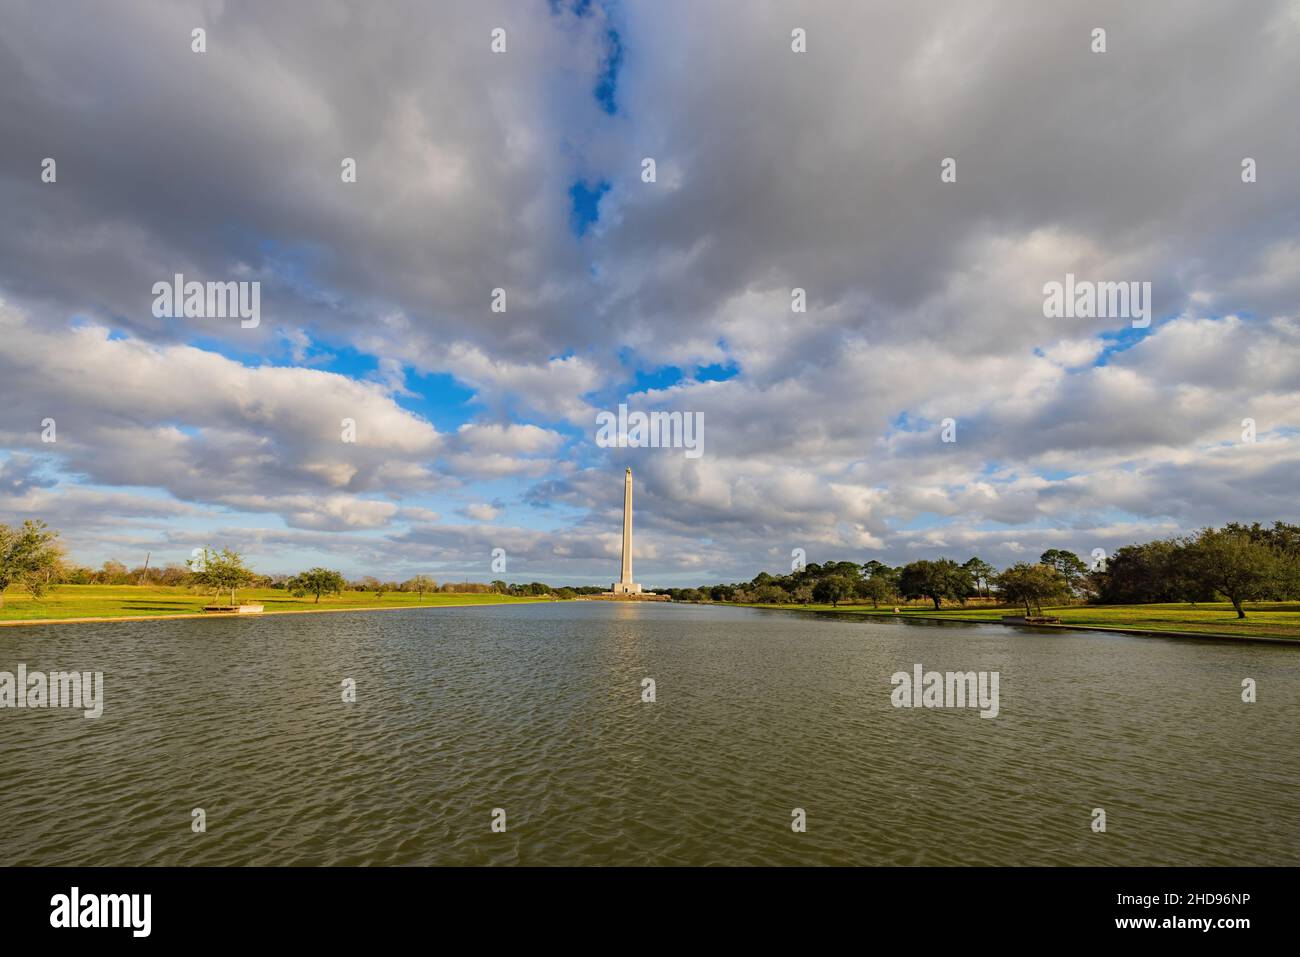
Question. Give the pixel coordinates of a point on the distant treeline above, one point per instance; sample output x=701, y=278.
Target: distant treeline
x=31, y=556
x=1236, y=563
x=116, y=573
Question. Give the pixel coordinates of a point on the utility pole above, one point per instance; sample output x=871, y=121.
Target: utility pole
x=144, y=575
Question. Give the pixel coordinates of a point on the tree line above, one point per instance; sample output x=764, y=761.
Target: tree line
x=1237, y=563
x=32, y=558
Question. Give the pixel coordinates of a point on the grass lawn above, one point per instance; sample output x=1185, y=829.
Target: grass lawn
x=1263, y=619
x=120, y=601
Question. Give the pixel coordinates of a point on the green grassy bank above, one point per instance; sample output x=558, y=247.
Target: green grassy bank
x=1264, y=619
x=127, y=601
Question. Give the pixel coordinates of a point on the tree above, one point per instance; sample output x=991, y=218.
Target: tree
x=850, y=570
x=371, y=583
x=833, y=589
x=421, y=584
x=888, y=575
x=173, y=574
x=875, y=589
x=77, y=575
x=223, y=570
x=29, y=555
x=770, y=594
x=1071, y=567
x=1027, y=584
x=1152, y=572
x=935, y=581
x=114, y=573
x=1237, y=566
x=44, y=573
x=1285, y=538
x=873, y=568
x=981, y=573
x=316, y=581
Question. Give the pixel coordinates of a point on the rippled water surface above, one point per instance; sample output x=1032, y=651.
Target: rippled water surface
x=537, y=709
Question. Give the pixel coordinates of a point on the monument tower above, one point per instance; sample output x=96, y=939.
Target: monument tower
x=625, y=585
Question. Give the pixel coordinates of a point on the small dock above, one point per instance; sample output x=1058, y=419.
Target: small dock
x=234, y=609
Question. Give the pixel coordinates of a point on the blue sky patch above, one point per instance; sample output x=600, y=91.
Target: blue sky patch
x=607, y=84
x=585, y=201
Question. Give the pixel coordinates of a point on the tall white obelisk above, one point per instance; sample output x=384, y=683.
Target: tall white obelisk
x=625, y=585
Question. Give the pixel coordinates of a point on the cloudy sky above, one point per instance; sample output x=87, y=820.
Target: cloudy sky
x=522, y=171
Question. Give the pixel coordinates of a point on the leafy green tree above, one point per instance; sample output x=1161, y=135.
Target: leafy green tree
x=42, y=578
x=1155, y=571
x=316, y=581
x=849, y=570
x=1236, y=566
x=1071, y=567
x=981, y=573
x=770, y=594
x=29, y=555
x=223, y=570
x=833, y=589
x=1028, y=584
x=875, y=589
x=1282, y=536
x=873, y=568
x=1285, y=539
x=935, y=580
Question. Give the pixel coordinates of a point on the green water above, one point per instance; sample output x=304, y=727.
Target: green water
x=537, y=710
